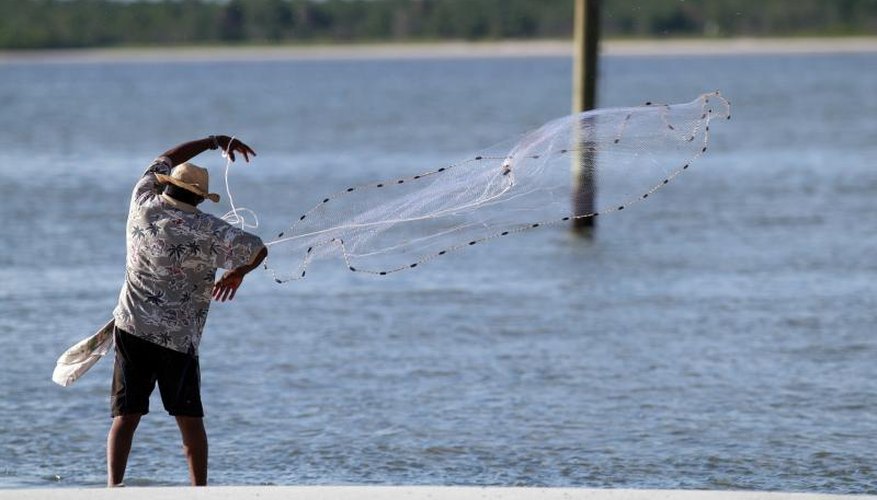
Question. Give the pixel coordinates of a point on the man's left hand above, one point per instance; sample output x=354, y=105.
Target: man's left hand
x=233, y=146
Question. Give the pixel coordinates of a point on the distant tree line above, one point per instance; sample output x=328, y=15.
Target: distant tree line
x=90, y=23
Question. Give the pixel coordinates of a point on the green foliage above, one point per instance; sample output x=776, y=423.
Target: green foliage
x=87, y=23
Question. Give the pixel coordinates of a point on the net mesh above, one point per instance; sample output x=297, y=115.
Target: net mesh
x=580, y=166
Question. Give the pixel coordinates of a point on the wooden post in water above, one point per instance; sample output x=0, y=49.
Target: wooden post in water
x=586, y=40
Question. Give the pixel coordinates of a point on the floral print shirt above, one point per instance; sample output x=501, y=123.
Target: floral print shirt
x=173, y=251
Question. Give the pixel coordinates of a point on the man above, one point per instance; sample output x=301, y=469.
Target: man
x=173, y=251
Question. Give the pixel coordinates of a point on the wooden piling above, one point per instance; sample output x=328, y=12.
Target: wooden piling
x=586, y=39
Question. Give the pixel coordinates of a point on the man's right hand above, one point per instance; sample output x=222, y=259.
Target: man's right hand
x=228, y=285
x=225, y=288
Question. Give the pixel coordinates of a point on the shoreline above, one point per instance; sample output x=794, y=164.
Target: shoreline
x=403, y=492
x=447, y=50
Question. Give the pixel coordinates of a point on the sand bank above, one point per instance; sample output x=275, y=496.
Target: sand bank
x=549, y=48
x=400, y=493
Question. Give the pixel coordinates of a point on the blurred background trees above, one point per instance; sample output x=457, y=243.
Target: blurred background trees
x=90, y=23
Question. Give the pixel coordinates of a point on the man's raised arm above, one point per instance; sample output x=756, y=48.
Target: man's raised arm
x=188, y=150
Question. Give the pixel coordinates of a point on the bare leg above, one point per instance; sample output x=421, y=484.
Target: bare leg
x=119, y=446
x=195, y=448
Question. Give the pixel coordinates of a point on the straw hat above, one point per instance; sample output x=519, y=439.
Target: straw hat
x=190, y=177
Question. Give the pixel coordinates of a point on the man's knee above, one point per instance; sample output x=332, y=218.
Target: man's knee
x=192, y=429
x=126, y=423
x=186, y=423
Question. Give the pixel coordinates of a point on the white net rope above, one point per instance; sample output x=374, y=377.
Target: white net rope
x=611, y=157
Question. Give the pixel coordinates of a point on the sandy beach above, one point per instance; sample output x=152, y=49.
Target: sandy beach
x=458, y=49
x=400, y=492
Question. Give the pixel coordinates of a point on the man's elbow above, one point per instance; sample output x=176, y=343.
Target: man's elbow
x=260, y=256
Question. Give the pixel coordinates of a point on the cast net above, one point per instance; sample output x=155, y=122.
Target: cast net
x=580, y=166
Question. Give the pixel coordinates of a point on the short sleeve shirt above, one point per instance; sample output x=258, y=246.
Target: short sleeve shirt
x=173, y=252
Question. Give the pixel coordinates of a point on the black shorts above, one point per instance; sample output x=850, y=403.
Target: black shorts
x=140, y=364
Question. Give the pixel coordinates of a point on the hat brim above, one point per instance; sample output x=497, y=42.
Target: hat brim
x=166, y=179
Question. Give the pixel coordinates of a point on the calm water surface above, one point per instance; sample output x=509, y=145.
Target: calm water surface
x=720, y=336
